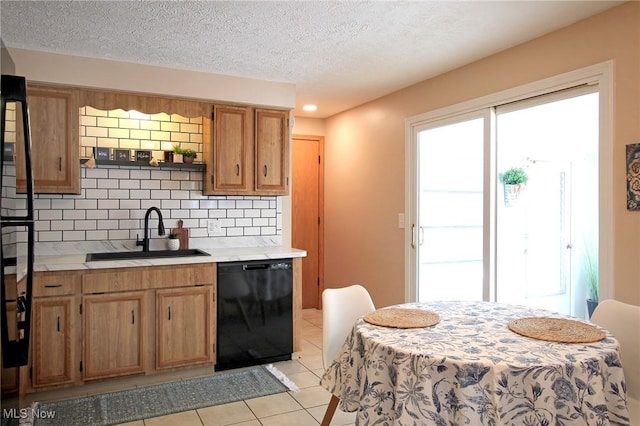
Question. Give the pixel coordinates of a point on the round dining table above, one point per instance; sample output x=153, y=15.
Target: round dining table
x=471, y=369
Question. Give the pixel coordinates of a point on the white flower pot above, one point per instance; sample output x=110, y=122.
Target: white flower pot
x=173, y=243
x=512, y=194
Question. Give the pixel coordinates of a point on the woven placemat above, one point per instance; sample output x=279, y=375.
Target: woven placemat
x=560, y=330
x=402, y=318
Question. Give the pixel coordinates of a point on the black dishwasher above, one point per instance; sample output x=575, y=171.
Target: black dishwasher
x=254, y=313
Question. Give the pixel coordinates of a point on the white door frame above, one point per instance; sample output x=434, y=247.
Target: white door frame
x=601, y=74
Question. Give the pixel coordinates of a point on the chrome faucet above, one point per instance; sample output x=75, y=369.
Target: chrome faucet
x=145, y=241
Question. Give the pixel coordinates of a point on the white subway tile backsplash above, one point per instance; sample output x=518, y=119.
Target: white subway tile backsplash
x=119, y=173
x=97, y=173
x=140, y=174
x=42, y=225
x=73, y=235
x=130, y=184
x=108, y=183
x=130, y=204
x=161, y=174
x=39, y=204
x=160, y=195
x=86, y=204
x=107, y=224
x=150, y=184
x=62, y=204
x=170, y=184
x=114, y=199
x=217, y=213
x=118, y=234
x=50, y=236
x=170, y=204
x=118, y=194
x=97, y=214
x=235, y=232
x=62, y=225
x=119, y=214
x=197, y=213
x=49, y=214
x=74, y=214
x=108, y=204
x=88, y=183
x=97, y=235
x=85, y=225
x=97, y=194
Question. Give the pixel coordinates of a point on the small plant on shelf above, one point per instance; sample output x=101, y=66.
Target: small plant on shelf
x=189, y=153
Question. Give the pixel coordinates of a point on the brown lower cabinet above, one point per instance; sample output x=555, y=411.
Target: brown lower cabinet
x=53, y=335
x=107, y=323
x=113, y=334
x=184, y=333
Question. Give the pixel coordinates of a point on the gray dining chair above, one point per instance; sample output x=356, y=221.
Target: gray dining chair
x=623, y=321
x=341, y=307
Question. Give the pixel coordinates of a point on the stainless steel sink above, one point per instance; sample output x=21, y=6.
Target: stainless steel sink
x=152, y=254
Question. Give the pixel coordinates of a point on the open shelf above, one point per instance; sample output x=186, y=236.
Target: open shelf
x=161, y=164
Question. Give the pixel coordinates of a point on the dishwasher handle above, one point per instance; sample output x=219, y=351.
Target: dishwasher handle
x=253, y=266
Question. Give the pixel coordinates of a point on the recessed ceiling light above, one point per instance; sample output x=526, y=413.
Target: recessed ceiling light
x=309, y=108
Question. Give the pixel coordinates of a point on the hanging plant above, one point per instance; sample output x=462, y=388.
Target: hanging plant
x=514, y=181
x=514, y=176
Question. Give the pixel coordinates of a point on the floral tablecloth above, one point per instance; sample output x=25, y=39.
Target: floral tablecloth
x=470, y=369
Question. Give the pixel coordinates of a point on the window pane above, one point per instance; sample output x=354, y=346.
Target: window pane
x=451, y=212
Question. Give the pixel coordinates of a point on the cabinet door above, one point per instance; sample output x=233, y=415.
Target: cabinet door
x=230, y=168
x=272, y=152
x=52, y=341
x=184, y=333
x=113, y=334
x=54, y=118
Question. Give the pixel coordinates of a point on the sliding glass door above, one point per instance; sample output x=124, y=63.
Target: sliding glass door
x=472, y=239
x=543, y=240
x=449, y=234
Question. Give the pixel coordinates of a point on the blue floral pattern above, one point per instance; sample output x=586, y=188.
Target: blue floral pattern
x=470, y=369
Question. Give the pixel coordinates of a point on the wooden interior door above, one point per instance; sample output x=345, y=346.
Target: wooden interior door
x=306, y=206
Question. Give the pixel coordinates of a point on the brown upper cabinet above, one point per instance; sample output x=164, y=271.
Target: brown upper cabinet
x=55, y=140
x=246, y=151
x=272, y=153
x=229, y=168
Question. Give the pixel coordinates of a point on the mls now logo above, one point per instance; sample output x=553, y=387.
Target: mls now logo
x=27, y=413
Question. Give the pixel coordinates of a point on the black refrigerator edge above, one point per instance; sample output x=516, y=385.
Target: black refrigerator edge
x=16, y=223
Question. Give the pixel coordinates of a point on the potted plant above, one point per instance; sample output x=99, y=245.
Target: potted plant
x=173, y=241
x=514, y=181
x=591, y=273
x=189, y=155
x=177, y=154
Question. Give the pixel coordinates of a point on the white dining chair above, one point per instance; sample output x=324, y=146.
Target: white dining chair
x=623, y=321
x=341, y=307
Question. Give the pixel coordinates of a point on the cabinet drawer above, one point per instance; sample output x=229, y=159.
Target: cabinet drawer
x=133, y=279
x=45, y=285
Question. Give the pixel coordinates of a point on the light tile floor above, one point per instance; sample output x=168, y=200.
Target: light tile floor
x=303, y=408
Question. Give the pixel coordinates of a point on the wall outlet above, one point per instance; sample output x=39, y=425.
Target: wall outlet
x=213, y=227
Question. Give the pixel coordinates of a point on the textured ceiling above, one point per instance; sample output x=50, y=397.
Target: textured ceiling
x=339, y=54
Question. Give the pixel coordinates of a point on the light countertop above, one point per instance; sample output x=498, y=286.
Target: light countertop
x=77, y=261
